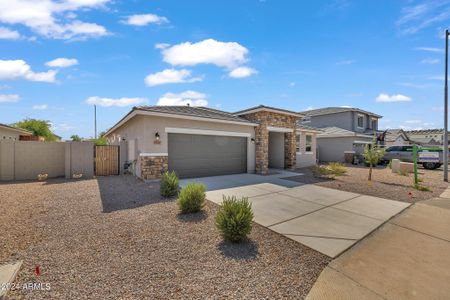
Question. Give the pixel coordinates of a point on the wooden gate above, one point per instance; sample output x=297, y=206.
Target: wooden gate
x=106, y=160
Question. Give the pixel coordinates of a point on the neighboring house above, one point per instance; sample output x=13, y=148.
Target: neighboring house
x=13, y=133
x=200, y=141
x=427, y=136
x=396, y=137
x=343, y=129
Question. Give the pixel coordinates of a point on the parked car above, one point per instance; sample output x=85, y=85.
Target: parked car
x=404, y=153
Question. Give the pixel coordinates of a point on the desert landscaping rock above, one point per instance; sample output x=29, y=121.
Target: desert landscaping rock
x=114, y=237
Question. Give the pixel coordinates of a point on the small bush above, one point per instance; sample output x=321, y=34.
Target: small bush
x=234, y=218
x=337, y=168
x=390, y=164
x=169, y=184
x=321, y=171
x=422, y=188
x=191, y=198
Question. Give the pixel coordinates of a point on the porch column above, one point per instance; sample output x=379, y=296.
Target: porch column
x=289, y=150
x=262, y=149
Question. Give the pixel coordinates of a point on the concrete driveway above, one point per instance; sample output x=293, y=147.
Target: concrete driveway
x=327, y=220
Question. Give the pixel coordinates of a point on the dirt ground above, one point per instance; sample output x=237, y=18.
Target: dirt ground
x=115, y=238
x=384, y=183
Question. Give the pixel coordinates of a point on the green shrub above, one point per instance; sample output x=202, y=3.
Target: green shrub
x=169, y=184
x=321, y=171
x=234, y=218
x=337, y=168
x=191, y=198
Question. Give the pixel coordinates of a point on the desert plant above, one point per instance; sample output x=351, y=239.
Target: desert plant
x=169, y=184
x=321, y=171
x=234, y=218
x=422, y=188
x=390, y=164
x=403, y=173
x=337, y=168
x=373, y=155
x=191, y=198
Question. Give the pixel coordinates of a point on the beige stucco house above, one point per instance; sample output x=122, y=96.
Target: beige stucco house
x=12, y=133
x=200, y=141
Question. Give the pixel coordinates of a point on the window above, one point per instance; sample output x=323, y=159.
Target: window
x=308, y=146
x=297, y=143
x=374, y=124
x=360, y=121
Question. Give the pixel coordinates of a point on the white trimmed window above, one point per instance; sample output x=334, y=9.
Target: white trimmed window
x=360, y=121
x=297, y=143
x=374, y=124
x=308, y=144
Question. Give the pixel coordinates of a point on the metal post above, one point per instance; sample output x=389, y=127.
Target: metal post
x=95, y=121
x=416, y=180
x=446, y=109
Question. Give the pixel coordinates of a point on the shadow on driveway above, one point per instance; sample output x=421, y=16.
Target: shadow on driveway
x=127, y=192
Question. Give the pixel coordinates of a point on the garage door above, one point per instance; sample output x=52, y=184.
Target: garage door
x=206, y=155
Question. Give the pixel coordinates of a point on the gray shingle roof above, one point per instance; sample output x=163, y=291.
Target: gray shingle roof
x=426, y=131
x=281, y=110
x=337, y=131
x=335, y=110
x=202, y=112
x=305, y=127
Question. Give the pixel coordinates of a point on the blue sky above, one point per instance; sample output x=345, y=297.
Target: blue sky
x=57, y=58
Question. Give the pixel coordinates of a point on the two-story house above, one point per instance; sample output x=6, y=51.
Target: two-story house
x=343, y=129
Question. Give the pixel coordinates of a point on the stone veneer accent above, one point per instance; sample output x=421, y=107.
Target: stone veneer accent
x=265, y=119
x=152, y=167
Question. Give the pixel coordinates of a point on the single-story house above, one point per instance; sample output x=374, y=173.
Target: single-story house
x=13, y=133
x=201, y=141
x=333, y=142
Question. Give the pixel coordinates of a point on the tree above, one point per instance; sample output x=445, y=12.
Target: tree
x=100, y=141
x=76, y=138
x=373, y=155
x=38, y=128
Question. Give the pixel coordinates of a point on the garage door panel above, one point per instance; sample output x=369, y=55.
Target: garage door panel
x=206, y=155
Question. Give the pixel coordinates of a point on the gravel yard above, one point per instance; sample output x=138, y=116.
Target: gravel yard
x=115, y=238
x=385, y=184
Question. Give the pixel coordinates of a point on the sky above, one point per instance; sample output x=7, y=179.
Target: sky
x=58, y=58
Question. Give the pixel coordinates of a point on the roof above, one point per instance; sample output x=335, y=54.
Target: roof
x=308, y=128
x=392, y=135
x=336, y=110
x=188, y=112
x=339, y=132
x=202, y=112
x=16, y=129
x=426, y=131
x=268, y=108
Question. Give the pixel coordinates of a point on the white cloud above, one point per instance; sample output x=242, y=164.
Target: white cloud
x=413, y=121
x=170, y=76
x=345, y=62
x=62, y=62
x=392, y=98
x=188, y=97
x=241, y=72
x=48, y=17
x=430, y=49
x=120, y=102
x=222, y=54
x=423, y=15
x=9, y=98
x=429, y=61
x=145, y=19
x=19, y=69
x=161, y=46
x=7, y=34
x=40, y=107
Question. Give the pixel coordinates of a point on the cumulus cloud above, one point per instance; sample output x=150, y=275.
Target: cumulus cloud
x=8, y=34
x=19, y=69
x=9, y=98
x=120, y=102
x=144, y=19
x=40, y=107
x=188, y=97
x=170, y=76
x=62, y=62
x=222, y=54
x=392, y=98
x=162, y=46
x=242, y=72
x=48, y=17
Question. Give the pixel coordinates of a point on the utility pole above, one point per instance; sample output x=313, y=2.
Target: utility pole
x=446, y=109
x=95, y=121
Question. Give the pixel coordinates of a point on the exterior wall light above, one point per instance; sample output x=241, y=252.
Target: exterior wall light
x=157, y=138
x=252, y=140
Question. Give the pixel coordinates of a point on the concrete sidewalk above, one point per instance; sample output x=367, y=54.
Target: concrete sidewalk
x=327, y=220
x=407, y=258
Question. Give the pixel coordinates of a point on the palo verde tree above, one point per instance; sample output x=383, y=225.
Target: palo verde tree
x=373, y=155
x=38, y=128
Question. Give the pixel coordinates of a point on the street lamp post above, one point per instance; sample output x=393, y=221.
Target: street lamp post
x=446, y=109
